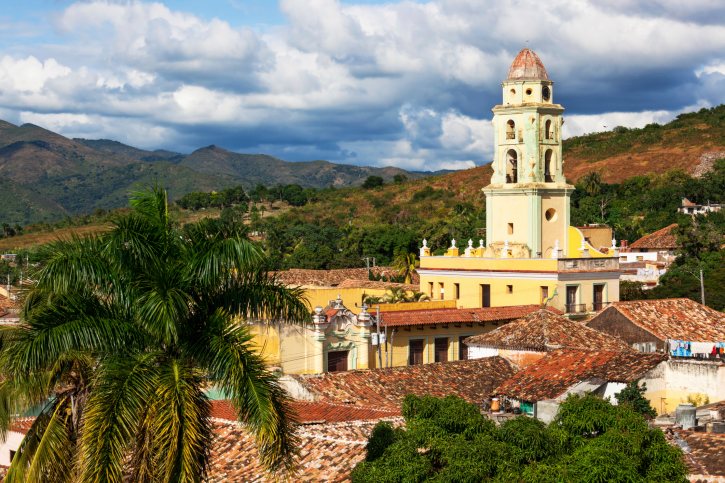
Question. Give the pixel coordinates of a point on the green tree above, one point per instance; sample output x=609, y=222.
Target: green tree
x=449, y=440
x=629, y=290
x=373, y=182
x=119, y=339
x=633, y=396
x=592, y=182
x=406, y=265
x=400, y=178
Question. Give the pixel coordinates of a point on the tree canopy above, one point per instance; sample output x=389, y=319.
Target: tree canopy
x=449, y=440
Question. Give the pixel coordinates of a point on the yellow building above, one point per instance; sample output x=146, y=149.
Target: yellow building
x=531, y=253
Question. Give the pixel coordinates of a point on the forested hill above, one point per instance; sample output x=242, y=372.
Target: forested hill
x=622, y=152
x=47, y=177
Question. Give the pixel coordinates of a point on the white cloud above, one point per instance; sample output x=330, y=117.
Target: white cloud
x=408, y=84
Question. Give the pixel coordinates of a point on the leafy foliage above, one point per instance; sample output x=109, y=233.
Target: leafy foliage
x=121, y=335
x=633, y=396
x=373, y=182
x=449, y=440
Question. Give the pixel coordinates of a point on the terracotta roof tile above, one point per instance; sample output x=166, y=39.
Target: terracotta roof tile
x=534, y=332
x=554, y=374
x=472, y=380
x=679, y=319
x=661, y=239
x=314, y=412
x=450, y=316
x=370, y=284
x=527, y=65
x=707, y=454
x=333, y=278
x=327, y=453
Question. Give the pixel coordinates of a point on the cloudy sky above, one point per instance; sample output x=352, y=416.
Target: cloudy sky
x=408, y=83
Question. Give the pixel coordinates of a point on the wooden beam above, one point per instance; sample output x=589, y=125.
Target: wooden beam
x=433, y=326
x=457, y=324
x=469, y=324
x=445, y=326
x=419, y=327
x=406, y=327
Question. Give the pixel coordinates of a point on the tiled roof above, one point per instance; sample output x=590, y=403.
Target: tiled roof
x=314, y=412
x=332, y=278
x=660, y=239
x=472, y=380
x=22, y=425
x=370, y=284
x=327, y=453
x=707, y=454
x=451, y=316
x=555, y=373
x=527, y=65
x=539, y=333
x=679, y=319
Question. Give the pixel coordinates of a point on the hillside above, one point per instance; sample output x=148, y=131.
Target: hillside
x=114, y=147
x=655, y=148
x=250, y=169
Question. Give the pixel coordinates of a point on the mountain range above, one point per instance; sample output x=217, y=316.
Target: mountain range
x=45, y=176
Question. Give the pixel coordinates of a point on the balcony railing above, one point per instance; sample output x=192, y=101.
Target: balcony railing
x=576, y=308
x=597, y=306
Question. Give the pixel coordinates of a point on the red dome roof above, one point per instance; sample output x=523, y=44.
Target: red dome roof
x=527, y=65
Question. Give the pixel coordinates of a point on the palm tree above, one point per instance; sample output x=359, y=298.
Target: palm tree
x=406, y=264
x=119, y=337
x=592, y=182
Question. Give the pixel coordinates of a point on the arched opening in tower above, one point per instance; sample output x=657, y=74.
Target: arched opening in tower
x=548, y=178
x=548, y=133
x=511, y=167
x=510, y=130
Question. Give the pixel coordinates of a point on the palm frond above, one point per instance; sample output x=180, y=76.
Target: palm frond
x=122, y=392
x=260, y=402
x=44, y=453
x=182, y=428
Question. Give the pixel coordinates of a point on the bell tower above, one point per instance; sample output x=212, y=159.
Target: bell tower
x=527, y=202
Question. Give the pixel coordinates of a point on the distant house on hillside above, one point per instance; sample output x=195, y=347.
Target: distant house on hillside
x=690, y=208
x=662, y=241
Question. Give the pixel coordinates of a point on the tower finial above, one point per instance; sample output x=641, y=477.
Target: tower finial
x=527, y=43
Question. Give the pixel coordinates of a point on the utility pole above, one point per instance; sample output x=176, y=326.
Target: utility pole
x=702, y=287
x=377, y=323
x=387, y=364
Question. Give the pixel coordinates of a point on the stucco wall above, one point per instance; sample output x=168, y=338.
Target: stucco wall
x=614, y=323
x=12, y=443
x=673, y=381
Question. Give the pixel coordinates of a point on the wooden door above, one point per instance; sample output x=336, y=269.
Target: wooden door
x=485, y=295
x=337, y=361
x=598, y=297
x=416, y=347
x=571, y=299
x=462, y=349
x=544, y=294
x=441, y=349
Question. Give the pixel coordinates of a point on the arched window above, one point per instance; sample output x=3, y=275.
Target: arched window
x=548, y=176
x=512, y=96
x=511, y=130
x=511, y=166
x=548, y=133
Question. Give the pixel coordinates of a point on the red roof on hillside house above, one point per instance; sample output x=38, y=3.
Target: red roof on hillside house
x=551, y=376
x=457, y=316
x=472, y=380
x=544, y=330
x=661, y=239
x=333, y=278
x=332, y=441
x=678, y=319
